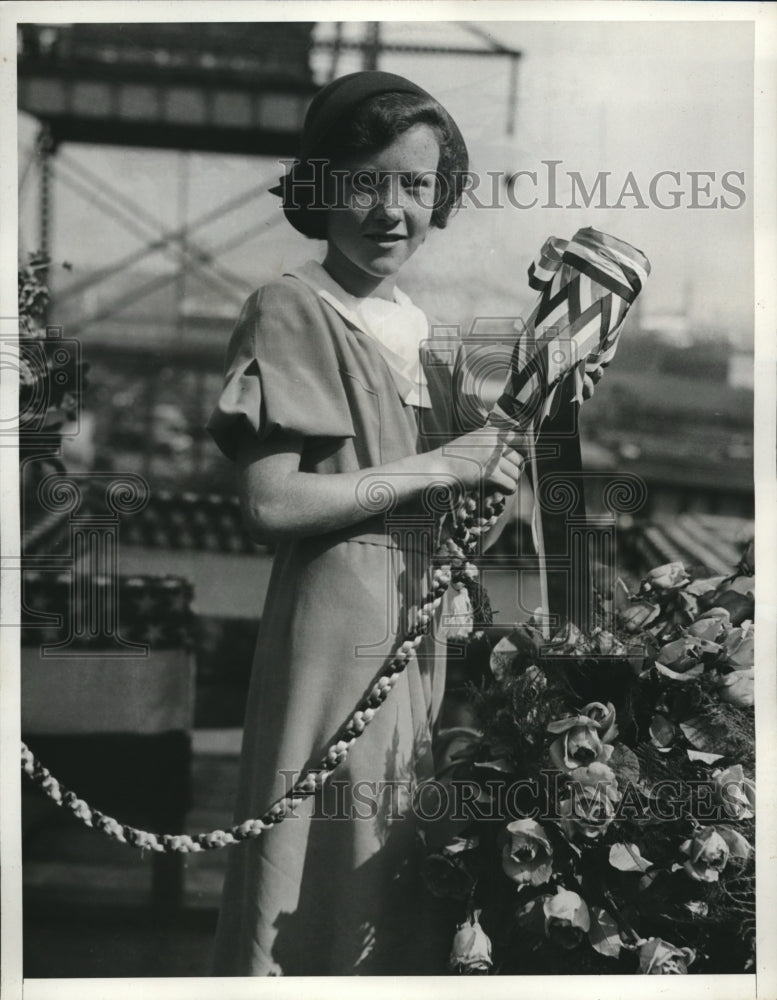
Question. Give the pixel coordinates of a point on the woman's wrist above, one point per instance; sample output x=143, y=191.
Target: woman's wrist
x=447, y=468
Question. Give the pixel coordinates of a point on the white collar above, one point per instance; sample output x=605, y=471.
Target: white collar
x=397, y=328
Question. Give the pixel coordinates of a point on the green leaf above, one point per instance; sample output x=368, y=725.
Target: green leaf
x=530, y=915
x=625, y=764
x=621, y=595
x=522, y=644
x=662, y=731
x=604, y=934
x=705, y=758
x=627, y=858
x=648, y=879
x=502, y=765
x=459, y=844
x=704, y=735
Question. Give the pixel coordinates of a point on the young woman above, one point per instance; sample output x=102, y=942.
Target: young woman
x=327, y=409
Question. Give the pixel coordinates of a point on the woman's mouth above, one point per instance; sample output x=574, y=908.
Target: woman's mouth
x=385, y=240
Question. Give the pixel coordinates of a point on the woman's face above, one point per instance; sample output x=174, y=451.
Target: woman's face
x=382, y=212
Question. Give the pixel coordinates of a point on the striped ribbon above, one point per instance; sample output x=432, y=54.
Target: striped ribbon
x=586, y=286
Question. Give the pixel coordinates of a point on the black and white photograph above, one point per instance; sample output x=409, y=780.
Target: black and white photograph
x=388, y=438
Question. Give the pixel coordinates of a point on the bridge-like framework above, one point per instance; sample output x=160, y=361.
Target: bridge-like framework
x=235, y=88
x=230, y=88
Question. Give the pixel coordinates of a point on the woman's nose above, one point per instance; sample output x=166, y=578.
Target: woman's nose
x=388, y=209
x=389, y=201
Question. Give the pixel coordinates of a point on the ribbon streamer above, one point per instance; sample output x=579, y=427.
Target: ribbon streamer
x=586, y=287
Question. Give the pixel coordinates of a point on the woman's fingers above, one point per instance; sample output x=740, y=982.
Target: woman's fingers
x=504, y=484
x=488, y=456
x=514, y=458
x=504, y=473
x=507, y=473
x=516, y=440
x=513, y=465
x=590, y=380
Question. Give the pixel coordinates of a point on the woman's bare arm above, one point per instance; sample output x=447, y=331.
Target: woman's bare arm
x=279, y=501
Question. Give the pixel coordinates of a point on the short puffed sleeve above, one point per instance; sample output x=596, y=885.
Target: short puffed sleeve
x=281, y=371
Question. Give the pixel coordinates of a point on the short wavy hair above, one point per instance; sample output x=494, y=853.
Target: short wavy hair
x=372, y=125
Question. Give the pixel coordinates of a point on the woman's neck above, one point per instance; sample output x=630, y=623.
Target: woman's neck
x=355, y=281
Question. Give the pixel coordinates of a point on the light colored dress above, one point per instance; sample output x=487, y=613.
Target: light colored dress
x=329, y=892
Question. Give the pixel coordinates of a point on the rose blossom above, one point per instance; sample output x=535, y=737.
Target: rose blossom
x=735, y=792
x=712, y=625
x=527, y=859
x=567, y=918
x=604, y=717
x=744, y=585
x=684, y=654
x=737, y=688
x=589, y=809
x=739, y=606
x=705, y=587
x=583, y=738
x=606, y=644
x=709, y=851
x=670, y=576
x=447, y=875
x=723, y=615
x=739, y=646
x=638, y=615
x=471, y=951
x=708, y=855
x=659, y=958
x=739, y=598
x=569, y=639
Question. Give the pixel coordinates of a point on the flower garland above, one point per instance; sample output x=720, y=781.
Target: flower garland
x=450, y=566
x=604, y=807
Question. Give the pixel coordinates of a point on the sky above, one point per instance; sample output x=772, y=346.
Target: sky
x=621, y=102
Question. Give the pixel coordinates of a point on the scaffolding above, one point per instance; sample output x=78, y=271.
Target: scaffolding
x=238, y=88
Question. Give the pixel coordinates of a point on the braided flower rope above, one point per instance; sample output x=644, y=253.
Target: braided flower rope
x=452, y=566
x=612, y=274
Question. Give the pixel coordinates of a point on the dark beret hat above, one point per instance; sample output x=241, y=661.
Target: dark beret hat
x=330, y=105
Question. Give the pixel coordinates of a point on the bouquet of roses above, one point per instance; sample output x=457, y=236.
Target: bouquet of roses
x=601, y=808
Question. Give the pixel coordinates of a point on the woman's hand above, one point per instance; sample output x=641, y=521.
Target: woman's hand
x=488, y=456
x=280, y=501
x=590, y=381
